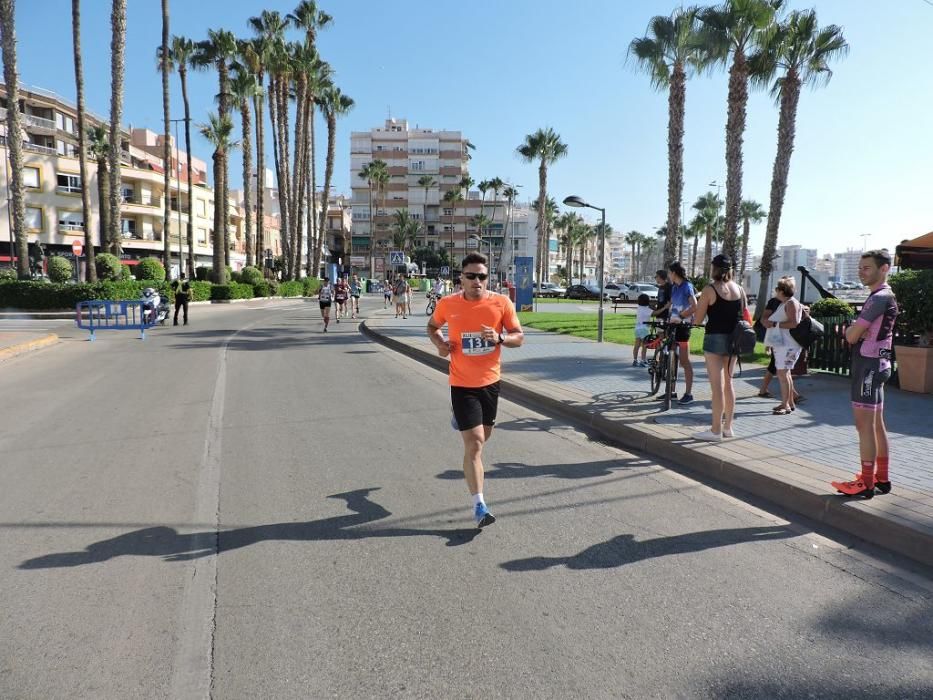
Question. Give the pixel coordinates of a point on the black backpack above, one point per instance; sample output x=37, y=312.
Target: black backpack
x=742, y=339
x=808, y=331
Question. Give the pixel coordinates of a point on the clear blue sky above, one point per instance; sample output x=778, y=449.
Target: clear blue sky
x=498, y=71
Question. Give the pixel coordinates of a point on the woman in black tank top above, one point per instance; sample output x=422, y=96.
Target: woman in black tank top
x=722, y=316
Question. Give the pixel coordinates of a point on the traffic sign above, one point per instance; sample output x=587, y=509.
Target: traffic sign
x=77, y=247
x=445, y=270
x=396, y=257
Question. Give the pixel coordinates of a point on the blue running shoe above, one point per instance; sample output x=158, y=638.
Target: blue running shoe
x=482, y=516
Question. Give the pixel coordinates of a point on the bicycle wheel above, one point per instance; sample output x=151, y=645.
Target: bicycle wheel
x=670, y=377
x=656, y=371
x=430, y=308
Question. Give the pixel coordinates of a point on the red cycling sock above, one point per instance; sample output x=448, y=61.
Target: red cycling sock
x=881, y=465
x=868, y=473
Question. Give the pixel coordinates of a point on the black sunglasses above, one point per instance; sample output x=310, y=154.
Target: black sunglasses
x=481, y=276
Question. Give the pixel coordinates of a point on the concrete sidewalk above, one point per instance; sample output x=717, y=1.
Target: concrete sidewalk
x=788, y=460
x=13, y=343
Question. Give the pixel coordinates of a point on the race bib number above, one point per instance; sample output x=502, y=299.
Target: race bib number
x=475, y=344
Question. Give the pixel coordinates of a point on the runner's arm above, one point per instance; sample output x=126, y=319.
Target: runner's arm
x=436, y=336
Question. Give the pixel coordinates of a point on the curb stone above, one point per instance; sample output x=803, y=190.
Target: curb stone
x=29, y=346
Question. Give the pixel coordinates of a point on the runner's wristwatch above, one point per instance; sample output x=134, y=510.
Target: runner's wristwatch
x=501, y=339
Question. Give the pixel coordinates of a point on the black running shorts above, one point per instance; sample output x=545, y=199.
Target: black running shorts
x=325, y=304
x=475, y=406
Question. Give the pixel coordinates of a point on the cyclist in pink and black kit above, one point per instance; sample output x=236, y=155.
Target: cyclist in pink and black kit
x=871, y=336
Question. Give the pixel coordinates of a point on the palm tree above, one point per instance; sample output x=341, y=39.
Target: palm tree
x=167, y=150
x=566, y=223
x=117, y=68
x=670, y=49
x=98, y=147
x=252, y=56
x=803, y=51
x=693, y=230
x=545, y=228
x=544, y=147
x=597, y=229
x=179, y=55
x=483, y=187
x=495, y=184
x=708, y=207
x=216, y=52
x=333, y=104
x=219, y=133
x=14, y=129
x=734, y=28
x=511, y=194
x=632, y=238
x=405, y=229
x=751, y=212
x=243, y=88
x=90, y=270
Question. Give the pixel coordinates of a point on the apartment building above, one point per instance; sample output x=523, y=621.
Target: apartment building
x=411, y=154
x=54, y=216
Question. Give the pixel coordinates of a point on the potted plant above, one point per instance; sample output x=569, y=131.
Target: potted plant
x=913, y=338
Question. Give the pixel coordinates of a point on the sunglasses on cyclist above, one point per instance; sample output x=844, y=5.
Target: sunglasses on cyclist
x=481, y=276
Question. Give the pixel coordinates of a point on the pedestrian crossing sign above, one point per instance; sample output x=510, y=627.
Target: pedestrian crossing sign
x=396, y=257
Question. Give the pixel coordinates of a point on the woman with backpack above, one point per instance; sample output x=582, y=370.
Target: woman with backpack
x=721, y=304
x=778, y=337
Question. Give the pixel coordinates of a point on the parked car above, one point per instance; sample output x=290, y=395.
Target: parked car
x=583, y=291
x=633, y=291
x=549, y=290
x=614, y=289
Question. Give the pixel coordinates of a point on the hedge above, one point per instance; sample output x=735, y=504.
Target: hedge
x=60, y=269
x=8, y=274
x=108, y=266
x=251, y=275
x=311, y=286
x=293, y=288
x=234, y=290
x=48, y=295
x=150, y=269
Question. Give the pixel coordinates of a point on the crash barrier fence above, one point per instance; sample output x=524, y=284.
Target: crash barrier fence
x=107, y=315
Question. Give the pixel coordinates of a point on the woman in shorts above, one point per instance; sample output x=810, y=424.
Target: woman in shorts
x=341, y=292
x=786, y=350
x=324, y=296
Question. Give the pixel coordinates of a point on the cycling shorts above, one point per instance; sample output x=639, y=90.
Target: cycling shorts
x=868, y=382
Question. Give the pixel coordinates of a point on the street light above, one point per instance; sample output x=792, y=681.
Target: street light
x=574, y=201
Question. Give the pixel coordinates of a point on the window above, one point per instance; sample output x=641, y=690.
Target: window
x=416, y=165
x=202, y=236
x=448, y=229
x=128, y=228
x=70, y=221
x=448, y=212
x=31, y=177
x=127, y=193
x=33, y=218
x=69, y=183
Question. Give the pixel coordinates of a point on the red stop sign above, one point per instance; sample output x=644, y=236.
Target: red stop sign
x=77, y=247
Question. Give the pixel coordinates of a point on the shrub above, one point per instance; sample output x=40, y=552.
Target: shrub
x=202, y=274
x=8, y=274
x=914, y=292
x=236, y=277
x=201, y=291
x=699, y=282
x=150, y=269
x=234, y=290
x=126, y=273
x=251, y=275
x=60, y=269
x=311, y=286
x=273, y=286
x=827, y=308
x=292, y=288
x=108, y=267
x=262, y=289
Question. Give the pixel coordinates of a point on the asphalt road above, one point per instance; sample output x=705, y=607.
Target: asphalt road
x=248, y=507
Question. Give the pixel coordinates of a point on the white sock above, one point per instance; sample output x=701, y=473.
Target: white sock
x=478, y=498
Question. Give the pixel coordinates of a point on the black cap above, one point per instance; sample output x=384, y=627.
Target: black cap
x=723, y=262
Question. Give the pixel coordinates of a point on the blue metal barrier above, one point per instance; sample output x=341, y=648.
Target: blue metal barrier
x=106, y=315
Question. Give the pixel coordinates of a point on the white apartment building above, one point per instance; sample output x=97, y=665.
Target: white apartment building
x=411, y=154
x=53, y=186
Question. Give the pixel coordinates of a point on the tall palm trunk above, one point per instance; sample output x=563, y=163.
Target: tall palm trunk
x=707, y=251
x=735, y=136
x=218, y=260
x=542, y=223
x=787, y=128
x=247, y=185
x=117, y=68
x=167, y=153
x=312, y=186
x=223, y=73
x=746, y=230
x=328, y=174
x=298, y=176
x=693, y=260
x=282, y=164
x=260, y=176
x=90, y=271
x=183, y=73
x=103, y=199
x=675, y=157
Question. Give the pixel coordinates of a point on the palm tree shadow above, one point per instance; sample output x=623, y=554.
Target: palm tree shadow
x=171, y=546
x=624, y=549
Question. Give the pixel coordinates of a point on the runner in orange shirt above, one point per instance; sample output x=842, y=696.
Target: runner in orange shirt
x=478, y=323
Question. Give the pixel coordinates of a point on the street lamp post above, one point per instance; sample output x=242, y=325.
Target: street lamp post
x=574, y=201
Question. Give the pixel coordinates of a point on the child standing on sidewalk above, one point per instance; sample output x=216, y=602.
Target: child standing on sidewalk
x=642, y=316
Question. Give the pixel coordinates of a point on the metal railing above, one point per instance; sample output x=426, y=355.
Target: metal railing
x=40, y=122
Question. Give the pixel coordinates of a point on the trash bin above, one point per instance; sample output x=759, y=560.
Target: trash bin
x=369, y=286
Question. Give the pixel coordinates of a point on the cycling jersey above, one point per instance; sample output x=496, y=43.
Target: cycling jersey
x=878, y=315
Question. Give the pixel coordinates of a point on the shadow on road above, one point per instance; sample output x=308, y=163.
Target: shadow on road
x=167, y=543
x=585, y=470
x=623, y=549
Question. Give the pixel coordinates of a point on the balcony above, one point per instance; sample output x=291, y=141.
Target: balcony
x=142, y=200
x=39, y=122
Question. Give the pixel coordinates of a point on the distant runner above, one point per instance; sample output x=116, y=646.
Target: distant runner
x=325, y=295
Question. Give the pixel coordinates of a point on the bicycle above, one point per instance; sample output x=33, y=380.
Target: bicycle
x=663, y=365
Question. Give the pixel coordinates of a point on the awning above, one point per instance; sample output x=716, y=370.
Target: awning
x=916, y=254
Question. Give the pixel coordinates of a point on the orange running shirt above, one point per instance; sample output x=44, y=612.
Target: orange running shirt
x=474, y=362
